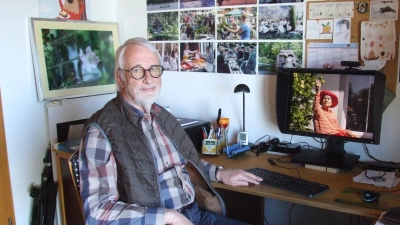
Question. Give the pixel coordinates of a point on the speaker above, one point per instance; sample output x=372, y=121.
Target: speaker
x=267, y=146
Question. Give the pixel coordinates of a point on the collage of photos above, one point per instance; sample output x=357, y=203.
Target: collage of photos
x=221, y=36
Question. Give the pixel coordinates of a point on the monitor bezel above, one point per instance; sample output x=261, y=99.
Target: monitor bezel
x=284, y=93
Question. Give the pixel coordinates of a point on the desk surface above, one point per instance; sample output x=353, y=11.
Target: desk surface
x=336, y=181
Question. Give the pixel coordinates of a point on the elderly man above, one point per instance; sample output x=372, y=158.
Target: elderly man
x=137, y=165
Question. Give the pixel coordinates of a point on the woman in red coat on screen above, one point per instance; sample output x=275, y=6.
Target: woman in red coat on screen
x=325, y=119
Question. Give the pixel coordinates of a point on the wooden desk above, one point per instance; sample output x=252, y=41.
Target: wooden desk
x=336, y=181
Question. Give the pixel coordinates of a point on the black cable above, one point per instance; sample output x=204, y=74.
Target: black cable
x=391, y=190
x=378, y=160
x=271, y=161
x=269, y=138
x=365, y=218
x=265, y=220
x=290, y=210
x=375, y=178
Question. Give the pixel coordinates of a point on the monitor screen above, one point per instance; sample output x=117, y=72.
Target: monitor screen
x=338, y=105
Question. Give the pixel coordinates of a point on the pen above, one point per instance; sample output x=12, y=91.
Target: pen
x=218, y=117
x=204, y=133
x=211, y=132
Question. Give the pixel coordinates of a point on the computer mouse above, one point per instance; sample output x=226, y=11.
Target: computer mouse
x=370, y=196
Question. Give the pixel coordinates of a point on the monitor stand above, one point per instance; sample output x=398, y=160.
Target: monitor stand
x=333, y=156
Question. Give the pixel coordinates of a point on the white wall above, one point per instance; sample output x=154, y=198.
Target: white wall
x=188, y=94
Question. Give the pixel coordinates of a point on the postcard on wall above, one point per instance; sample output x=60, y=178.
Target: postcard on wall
x=319, y=29
x=274, y=22
x=321, y=53
x=162, y=26
x=378, y=40
x=331, y=10
x=384, y=10
x=153, y=5
x=341, y=31
x=63, y=10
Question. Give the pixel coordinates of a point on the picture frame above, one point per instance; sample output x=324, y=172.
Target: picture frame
x=73, y=58
x=362, y=7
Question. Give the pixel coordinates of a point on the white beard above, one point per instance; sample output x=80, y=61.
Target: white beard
x=143, y=100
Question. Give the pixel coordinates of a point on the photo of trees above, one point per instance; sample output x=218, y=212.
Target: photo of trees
x=162, y=26
x=272, y=55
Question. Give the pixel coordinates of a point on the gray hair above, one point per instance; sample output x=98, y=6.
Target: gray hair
x=120, y=53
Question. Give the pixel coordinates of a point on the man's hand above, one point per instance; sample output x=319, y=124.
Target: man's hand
x=317, y=85
x=173, y=217
x=237, y=177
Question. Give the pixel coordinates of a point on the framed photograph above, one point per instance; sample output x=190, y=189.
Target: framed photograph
x=362, y=7
x=73, y=58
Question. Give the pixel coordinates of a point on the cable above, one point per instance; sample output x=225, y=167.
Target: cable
x=272, y=163
x=269, y=138
x=265, y=220
x=369, y=155
x=392, y=190
x=290, y=210
x=375, y=178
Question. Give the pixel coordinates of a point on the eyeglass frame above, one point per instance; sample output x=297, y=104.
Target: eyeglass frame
x=144, y=71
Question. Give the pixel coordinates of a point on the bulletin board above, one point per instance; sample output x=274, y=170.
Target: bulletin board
x=390, y=69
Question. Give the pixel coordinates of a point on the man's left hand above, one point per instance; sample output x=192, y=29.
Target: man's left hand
x=237, y=177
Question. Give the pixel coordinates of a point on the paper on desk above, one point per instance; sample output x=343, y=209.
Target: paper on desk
x=390, y=179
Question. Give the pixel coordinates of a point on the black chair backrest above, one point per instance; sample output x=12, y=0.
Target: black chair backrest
x=74, y=171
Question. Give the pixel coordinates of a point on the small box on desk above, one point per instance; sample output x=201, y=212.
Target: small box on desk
x=209, y=147
x=195, y=133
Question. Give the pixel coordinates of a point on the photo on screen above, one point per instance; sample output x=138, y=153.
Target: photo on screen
x=339, y=105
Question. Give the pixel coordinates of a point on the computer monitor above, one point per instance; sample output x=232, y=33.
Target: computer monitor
x=354, y=116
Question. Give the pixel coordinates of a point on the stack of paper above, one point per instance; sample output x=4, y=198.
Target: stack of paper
x=377, y=178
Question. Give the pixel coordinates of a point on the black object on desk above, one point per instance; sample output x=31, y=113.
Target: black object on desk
x=289, y=183
x=195, y=133
x=326, y=159
x=193, y=130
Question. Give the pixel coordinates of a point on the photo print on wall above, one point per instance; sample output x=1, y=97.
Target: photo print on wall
x=227, y=36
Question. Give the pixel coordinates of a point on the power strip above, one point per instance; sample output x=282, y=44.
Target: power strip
x=381, y=166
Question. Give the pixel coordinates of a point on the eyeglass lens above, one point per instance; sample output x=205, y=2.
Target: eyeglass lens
x=139, y=72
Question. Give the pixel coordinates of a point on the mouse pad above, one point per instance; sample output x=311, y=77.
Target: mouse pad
x=352, y=196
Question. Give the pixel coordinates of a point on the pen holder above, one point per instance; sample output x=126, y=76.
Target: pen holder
x=222, y=134
x=209, y=147
x=221, y=142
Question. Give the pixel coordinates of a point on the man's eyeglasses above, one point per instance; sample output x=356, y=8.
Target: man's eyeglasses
x=139, y=72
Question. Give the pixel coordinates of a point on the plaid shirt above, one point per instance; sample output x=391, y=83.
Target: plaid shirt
x=98, y=171
x=325, y=120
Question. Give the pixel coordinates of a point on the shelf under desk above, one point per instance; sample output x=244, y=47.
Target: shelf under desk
x=337, y=183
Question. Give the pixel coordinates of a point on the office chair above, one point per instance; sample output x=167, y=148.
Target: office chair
x=74, y=171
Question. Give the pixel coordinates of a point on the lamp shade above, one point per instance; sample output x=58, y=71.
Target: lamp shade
x=241, y=88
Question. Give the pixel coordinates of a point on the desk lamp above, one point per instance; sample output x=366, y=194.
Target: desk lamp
x=243, y=138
